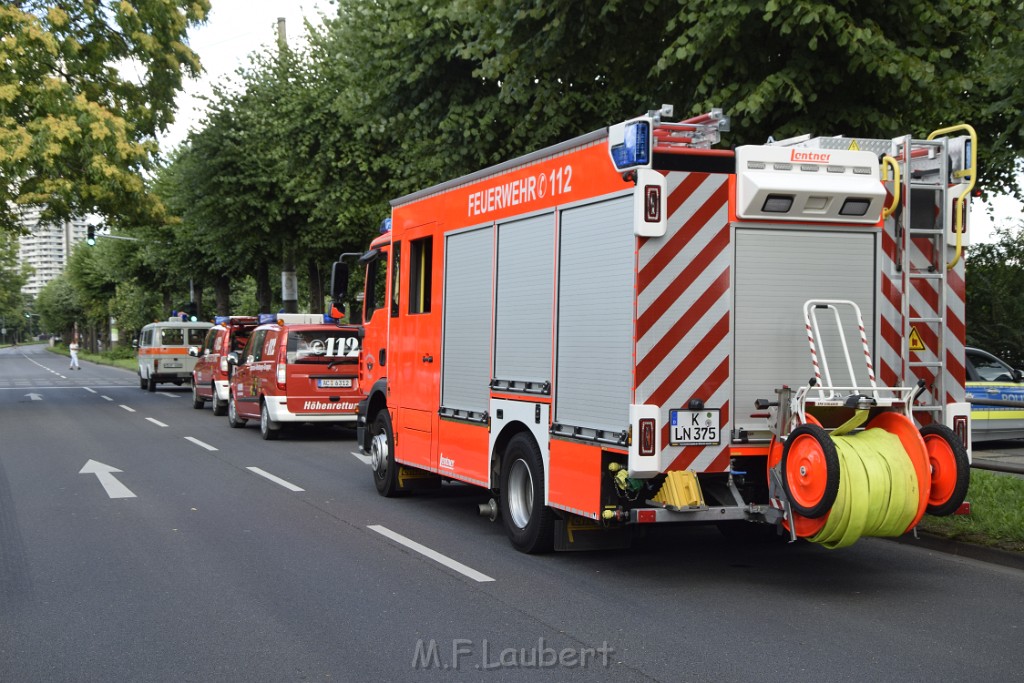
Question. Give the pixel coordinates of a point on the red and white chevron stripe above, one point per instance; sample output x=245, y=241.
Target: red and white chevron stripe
x=683, y=304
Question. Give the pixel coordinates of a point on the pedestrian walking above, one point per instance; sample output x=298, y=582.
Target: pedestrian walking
x=73, y=348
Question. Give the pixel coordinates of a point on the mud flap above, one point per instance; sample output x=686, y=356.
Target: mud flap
x=412, y=479
x=573, y=532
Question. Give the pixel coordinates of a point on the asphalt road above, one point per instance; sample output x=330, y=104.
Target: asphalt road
x=210, y=570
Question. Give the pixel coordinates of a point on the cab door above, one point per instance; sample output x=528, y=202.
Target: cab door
x=416, y=343
x=246, y=378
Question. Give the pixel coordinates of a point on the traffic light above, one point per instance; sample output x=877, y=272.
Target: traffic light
x=90, y=239
x=193, y=311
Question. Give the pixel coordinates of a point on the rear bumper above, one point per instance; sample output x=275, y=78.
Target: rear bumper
x=277, y=408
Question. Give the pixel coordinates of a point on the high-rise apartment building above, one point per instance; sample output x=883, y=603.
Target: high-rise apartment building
x=47, y=246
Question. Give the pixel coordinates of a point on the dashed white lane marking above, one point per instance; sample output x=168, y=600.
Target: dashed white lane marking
x=432, y=554
x=169, y=395
x=106, y=397
x=130, y=410
x=90, y=390
x=200, y=443
x=277, y=480
x=158, y=423
x=360, y=456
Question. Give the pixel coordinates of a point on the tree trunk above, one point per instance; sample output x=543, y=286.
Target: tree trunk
x=316, y=287
x=222, y=295
x=263, y=288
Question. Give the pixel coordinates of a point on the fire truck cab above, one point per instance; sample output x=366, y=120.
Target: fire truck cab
x=295, y=368
x=632, y=327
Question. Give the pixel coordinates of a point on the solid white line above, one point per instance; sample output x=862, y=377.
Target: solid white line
x=130, y=410
x=364, y=458
x=432, y=554
x=200, y=443
x=277, y=480
x=158, y=423
x=90, y=390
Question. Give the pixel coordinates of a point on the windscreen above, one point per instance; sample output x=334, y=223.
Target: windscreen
x=323, y=346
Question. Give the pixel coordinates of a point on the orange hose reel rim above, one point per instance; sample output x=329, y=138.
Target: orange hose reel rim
x=804, y=527
x=903, y=428
x=806, y=470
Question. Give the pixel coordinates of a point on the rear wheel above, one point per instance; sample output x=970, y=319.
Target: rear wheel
x=220, y=408
x=269, y=429
x=951, y=473
x=530, y=524
x=382, y=457
x=233, y=418
x=151, y=385
x=810, y=470
x=197, y=401
x=142, y=381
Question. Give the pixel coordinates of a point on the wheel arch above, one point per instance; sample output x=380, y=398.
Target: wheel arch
x=376, y=401
x=506, y=434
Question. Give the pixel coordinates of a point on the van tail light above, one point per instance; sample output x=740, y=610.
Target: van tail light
x=156, y=363
x=282, y=374
x=647, y=440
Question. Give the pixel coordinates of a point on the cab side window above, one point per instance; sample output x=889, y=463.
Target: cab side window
x=421, y=254
x=212, y=342
x=254, y=348
x=376, y=285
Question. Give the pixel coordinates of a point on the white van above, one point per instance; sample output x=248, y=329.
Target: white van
x=163, y=351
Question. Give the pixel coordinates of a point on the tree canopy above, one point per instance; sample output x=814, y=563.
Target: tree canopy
x=85, y=85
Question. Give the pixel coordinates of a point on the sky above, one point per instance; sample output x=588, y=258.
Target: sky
x=236, y=29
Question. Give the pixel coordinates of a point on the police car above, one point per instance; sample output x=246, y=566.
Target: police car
x=993, y=387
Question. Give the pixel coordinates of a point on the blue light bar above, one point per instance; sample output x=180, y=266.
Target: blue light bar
x=222, y=320
x=328, y=319
x=265, y=318
x=635, y=149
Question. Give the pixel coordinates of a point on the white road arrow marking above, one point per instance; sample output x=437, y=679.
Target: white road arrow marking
x=35, y=397
x=105, y=473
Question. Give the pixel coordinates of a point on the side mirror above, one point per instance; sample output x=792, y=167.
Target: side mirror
x=233, y=358
x=135, y=343
x=339, y=280
x=1018, y=376
x=193, y=351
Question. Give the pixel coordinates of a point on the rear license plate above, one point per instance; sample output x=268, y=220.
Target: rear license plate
x=171, y=365
x=334, y=383
x=694, y=427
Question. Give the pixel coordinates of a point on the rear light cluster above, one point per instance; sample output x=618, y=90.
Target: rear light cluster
x=282, y=373
x=647, y=440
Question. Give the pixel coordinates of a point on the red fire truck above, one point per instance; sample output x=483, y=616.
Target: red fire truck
x=633, y=327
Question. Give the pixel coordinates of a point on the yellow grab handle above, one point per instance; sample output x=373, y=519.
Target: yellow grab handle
x=888, y=161
x=971, y=171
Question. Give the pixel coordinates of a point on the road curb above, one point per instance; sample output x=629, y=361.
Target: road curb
x=1005, y=558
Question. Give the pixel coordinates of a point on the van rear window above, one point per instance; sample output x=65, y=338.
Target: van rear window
x=322, y=346
x=171, y=336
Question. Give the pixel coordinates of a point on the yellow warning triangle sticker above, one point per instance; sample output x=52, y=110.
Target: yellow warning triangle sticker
x=915, y=343
x=854, y=147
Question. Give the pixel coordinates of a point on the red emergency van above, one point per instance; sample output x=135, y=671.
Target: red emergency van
x=296, y=368
x=210, y=374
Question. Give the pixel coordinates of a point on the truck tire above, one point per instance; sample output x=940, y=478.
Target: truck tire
x=142, y=382
x=269, y=429
x=382, y=457
x=530, y=524
x=151, y=386
x=233, y=418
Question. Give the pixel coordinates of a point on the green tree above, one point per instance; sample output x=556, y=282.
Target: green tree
x=995, y=282
x=12, y=277
x=59, y=306
x=77, y=128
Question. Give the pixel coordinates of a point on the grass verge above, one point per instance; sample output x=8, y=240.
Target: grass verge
x=997, y=513
x=118, y=357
